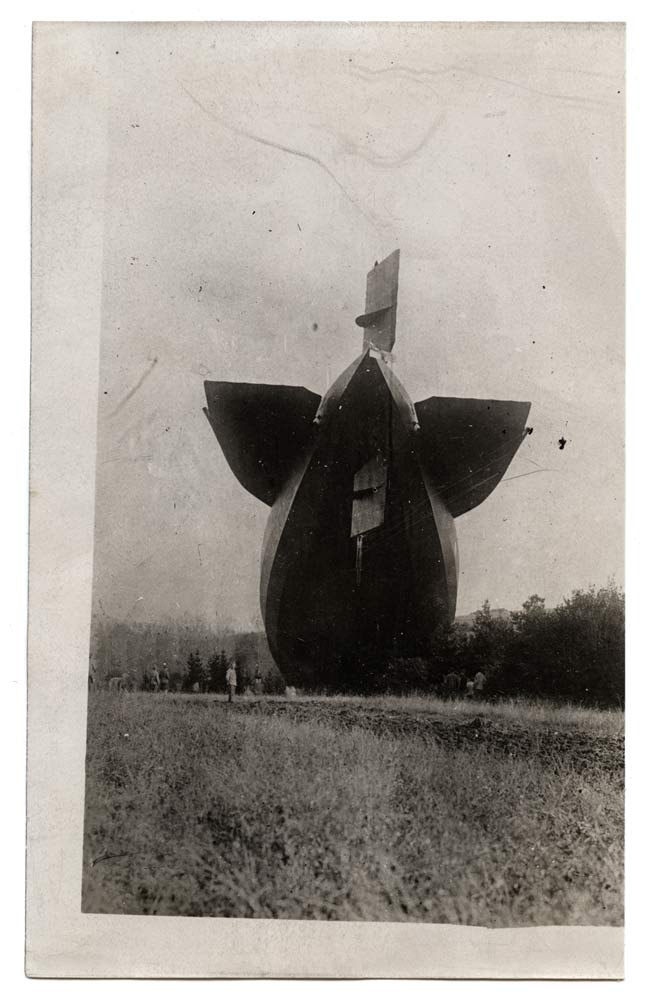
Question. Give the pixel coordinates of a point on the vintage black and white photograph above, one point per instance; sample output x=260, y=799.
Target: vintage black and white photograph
x=356, y=644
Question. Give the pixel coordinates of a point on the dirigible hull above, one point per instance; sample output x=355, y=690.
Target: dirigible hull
x=332, y=607
x=360, y=553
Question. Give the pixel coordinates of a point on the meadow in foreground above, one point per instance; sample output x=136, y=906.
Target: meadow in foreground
x=195, y=809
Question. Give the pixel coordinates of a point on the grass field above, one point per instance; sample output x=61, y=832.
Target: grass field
x=354, y=809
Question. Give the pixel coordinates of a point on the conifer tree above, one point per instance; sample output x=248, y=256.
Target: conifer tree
x=196, y=672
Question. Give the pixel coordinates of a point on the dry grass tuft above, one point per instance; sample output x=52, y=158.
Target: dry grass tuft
x=198, y=810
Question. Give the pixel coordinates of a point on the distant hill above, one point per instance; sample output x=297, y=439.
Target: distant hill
x=466, y=621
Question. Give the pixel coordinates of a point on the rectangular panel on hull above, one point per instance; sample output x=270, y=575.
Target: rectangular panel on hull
x=369, y=496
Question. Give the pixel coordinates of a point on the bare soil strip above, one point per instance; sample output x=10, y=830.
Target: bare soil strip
x=578, y=749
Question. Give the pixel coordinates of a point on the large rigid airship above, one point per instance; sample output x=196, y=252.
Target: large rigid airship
x=360, y=560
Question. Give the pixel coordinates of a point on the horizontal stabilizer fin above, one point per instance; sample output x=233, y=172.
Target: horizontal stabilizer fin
x=262, y=430
x=466, y=445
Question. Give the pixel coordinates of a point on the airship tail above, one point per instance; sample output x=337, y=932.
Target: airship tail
x=262, y=430
x=468, y=444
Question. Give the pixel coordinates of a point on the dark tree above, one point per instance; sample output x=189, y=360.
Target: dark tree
x=196, y=673
x=486, y=644
x=574, y=652
x=246, y=655
x=217, y=667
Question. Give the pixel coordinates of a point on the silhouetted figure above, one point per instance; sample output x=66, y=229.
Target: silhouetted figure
x=452, y=683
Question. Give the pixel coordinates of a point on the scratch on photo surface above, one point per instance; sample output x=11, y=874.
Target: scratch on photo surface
x=417, y=74
x=135, y=388
x=284, y=149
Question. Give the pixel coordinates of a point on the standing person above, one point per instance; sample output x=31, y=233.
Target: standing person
x=470, y=688
x=479, y=682
x=165, y=678
x=452, y=682
x=154, y=679
x=258, y=684
x=231, y=679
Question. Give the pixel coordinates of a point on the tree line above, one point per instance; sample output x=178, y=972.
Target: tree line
x=129, y=651
x=573, y=652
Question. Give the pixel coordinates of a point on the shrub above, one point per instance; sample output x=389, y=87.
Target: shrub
x=575, y=651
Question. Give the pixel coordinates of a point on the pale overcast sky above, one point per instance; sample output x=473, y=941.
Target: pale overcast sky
x=254, y=174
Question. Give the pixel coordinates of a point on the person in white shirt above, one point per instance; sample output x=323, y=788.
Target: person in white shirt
x=231, y=679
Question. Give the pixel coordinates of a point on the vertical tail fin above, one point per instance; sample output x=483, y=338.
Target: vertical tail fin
x=379, y=319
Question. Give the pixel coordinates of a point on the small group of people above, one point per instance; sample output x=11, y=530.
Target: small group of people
x=232, y=682
x=159, y=680
x=456, y=684
x=476, y=686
